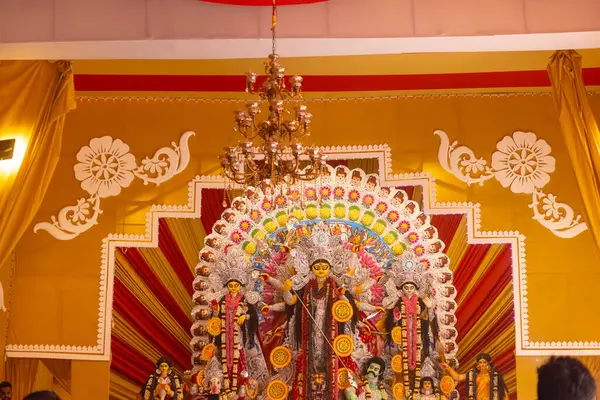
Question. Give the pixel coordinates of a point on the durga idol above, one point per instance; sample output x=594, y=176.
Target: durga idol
x=321, y=264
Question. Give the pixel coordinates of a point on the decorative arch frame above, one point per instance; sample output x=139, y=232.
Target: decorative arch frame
x=382, y=153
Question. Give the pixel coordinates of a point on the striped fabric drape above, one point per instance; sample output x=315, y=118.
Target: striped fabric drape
x=153, y=287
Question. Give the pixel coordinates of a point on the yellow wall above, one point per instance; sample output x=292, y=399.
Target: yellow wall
x=54, y=293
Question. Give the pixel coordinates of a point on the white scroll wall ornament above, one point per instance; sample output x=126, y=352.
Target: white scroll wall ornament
x=521, y=162
x=105, y=167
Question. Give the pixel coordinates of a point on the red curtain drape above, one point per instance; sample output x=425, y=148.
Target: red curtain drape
x=170, y=248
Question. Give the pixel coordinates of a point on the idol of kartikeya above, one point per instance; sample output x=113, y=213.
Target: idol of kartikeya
x=410, y=321
x=163, y=384
x=234, y=324
x=484, y=381
x=322, y=280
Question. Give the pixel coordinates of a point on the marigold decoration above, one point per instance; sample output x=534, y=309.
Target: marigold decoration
x=311, y=211
x=447, y=384
x=398, y=249
x=213, y=326
x=397, y=363
x=379, y=227
x=398, y=391
x=397, y=335
x=249, y=247
x=367, y=218
x=277, y=390
x=281, y=357
x=354, y=213
x=342, y=311
x=282, y=218
x=325, y=211
x=200, y=378
x=390, y=237
x=339, y=210
x=343, y=345
x=343, y=378
x=209, y=352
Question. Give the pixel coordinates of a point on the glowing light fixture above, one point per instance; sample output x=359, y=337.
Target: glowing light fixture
x=12, y=152
x=7, y=149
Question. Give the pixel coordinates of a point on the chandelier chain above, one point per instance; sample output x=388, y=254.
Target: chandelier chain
x=273, y=28
x=271, y=153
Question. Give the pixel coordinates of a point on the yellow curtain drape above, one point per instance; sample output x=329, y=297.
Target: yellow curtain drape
x=580, y=131
x=35, y=96
x=21, y=373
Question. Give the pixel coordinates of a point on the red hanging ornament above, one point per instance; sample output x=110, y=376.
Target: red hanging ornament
x=263, y=2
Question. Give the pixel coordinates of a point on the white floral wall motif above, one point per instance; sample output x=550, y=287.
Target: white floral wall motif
x=105, y=167
x=521, y=162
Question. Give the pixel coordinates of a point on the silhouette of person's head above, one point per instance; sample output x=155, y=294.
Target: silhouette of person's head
x=565, y=378
x=42, y=395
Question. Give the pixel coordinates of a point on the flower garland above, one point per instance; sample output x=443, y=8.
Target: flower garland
x=471, y=379
x=232, y=308
x=495, y=386
x=411, y=358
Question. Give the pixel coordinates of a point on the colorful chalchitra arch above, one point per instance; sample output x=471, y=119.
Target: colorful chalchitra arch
x=301, y=289
x=358, y=214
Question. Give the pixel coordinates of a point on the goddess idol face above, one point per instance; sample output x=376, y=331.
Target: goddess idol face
x=409, y=289
x=483, y=365
x=321, y=269
x=164, y=368
x=233, y=287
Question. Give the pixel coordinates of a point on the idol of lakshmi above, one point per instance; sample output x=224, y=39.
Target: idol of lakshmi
x=234, y=323
x=484, y=381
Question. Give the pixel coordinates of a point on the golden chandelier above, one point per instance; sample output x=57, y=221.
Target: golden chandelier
x=271, y=152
